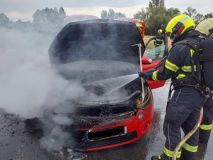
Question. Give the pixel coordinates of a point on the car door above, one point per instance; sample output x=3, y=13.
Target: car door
x=151, y=58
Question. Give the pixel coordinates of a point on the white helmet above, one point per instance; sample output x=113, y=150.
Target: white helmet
x=205, y=27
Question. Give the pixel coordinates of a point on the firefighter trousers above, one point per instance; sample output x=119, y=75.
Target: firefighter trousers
x=182, y=113
x=206, y=126
x=205, y=129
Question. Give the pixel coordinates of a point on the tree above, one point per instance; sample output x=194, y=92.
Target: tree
x=111, y=14
x=156, y=15
x=190, y=11
x=162, y=3
x=4, y=20
x=209, y=15
x=171, y=12
x=142, y=14
x=197, y=17
x=24, y=26
x=104, y=14
x=62, y=12
x=49, y=19
x=156, y=4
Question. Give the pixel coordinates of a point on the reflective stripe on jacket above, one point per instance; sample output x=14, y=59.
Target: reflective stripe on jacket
x=178, y=63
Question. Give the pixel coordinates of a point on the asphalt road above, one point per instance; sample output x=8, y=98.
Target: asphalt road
x=16, y=144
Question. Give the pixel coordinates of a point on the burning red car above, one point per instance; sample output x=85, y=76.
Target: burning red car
x=101, y=56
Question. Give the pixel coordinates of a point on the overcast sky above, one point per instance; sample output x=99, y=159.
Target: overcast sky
x=23, y=9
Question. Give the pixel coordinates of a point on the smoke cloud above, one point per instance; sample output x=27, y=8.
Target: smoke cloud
x=29, y=84
x=27, y=81
x=31, y=87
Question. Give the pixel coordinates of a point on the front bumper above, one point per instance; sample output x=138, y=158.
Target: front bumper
x=117, y=133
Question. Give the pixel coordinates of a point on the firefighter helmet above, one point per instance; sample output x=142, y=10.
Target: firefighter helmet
x=160, y=31
x=178, y=25
x=205, y=27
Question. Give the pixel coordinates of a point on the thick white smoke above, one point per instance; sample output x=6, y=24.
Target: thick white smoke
x=27, y=81
x=29, y=84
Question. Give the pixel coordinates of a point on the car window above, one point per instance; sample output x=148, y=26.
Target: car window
x=155, y=53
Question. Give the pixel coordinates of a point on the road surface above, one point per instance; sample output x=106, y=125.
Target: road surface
x=17, y=144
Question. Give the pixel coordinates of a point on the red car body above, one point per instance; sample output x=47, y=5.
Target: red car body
x=136, y=128
x=123, y=128
x=147, y=67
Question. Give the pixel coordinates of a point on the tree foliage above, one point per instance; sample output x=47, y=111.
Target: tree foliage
x=156, y=15
x=156, y=4
x=197, y=16
x=49, y=15
x=62, y=13
x=49, y=18
x=209, y=15
x=193, y=13
x=142, y=14
x=4, y=20
x=111, y=14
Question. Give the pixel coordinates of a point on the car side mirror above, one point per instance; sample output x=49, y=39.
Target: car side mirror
x=146, y=60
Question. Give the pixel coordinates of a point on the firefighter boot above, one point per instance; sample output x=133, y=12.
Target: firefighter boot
x=201, y=151
x=161, y=157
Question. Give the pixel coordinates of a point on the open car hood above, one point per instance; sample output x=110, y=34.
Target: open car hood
x=97, y=40
x=94, y=53
x=88, y=71
x=103, y=83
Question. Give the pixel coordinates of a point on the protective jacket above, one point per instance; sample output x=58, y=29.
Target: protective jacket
x=178, y=64
x=185, y=104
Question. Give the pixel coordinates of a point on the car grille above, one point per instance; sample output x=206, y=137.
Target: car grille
x=87, y=116
x=100, y=135
x=109, y=141
x=103, y=110
x=107, y=108
x=87, y=122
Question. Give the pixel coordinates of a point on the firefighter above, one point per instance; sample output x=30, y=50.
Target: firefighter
x=205, y=27
x=159, y=39
x=159, y=42
x=184, y=106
